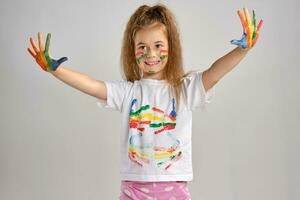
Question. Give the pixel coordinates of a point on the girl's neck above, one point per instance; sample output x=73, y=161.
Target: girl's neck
x=155, y=76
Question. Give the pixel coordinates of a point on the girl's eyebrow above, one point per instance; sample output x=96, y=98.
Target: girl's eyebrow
x=141, y=43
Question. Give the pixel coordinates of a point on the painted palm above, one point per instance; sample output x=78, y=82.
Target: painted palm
x=42, y=55
x=250, y=29
x=161, y=147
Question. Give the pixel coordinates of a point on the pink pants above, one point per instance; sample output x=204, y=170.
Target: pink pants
x=171, y=190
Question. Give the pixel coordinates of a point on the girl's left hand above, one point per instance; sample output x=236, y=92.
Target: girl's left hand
x=250, y=30
x=42, y=56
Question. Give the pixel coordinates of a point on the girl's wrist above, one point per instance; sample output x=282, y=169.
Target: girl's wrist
x=244, y=50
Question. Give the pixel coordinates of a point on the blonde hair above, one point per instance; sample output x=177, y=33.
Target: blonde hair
x=144, y=16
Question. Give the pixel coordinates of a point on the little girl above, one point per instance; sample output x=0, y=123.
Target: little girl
x=156, y=100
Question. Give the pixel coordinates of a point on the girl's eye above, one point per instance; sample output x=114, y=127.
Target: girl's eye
x=158, y=46
x=142, y=47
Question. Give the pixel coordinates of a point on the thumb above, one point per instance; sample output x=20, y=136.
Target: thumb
x=242, y=42
x=61, y=60
x=235, y=42
x=56, y=63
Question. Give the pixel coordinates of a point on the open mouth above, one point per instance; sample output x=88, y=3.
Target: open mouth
x=152, y=63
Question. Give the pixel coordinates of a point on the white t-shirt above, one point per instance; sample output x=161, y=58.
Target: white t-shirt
x=155, y=139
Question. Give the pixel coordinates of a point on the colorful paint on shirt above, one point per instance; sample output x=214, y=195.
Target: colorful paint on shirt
x=155, y=121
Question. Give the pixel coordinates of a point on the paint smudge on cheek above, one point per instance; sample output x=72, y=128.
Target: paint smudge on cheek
x=139, y=56
x=163, y=54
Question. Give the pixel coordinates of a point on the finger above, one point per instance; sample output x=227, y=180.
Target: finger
x=238, y=43
x=249, y=41
x=242, y=18
x=255, y=39
x=259, y=25
x=254, y=19
x=41, y=45
x=257, y=32
x=248, y=20
x=61, y=60
x=254, y=23
x=248, y=26
x=242, y=15
x=33, y=45
x=31, y=52
x=48, y=42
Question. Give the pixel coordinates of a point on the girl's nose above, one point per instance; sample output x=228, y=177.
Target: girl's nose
x=151, y=53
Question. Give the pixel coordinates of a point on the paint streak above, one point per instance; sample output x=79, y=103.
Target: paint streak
x=163, y=54
x=157, y=110
x=167, y=127
x=137, y=113
x=140, y=56
x=250, y=29
x=158, y=122
x=43, y=58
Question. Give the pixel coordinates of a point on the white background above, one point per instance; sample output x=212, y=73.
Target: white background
x=55, y=143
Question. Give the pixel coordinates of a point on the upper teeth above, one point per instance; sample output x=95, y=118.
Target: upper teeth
x=152, y=63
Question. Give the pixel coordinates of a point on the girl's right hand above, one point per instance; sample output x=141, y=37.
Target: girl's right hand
x=250, y=30
x=42, y=56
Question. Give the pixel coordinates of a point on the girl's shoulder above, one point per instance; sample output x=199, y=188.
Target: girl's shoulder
x=191, y=77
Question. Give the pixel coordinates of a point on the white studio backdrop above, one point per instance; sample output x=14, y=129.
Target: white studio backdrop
x=55, y=143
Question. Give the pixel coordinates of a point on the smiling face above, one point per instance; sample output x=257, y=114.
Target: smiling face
x=151, y=50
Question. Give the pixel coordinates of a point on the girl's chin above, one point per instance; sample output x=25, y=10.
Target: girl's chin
x=151, y=72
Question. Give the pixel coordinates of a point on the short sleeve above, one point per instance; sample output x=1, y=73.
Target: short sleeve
x=116, y=92
x=194, y=91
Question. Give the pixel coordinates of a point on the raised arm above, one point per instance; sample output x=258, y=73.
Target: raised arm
x=226, y=63
x=82, y=82
x=75, y=79
x=222, y=66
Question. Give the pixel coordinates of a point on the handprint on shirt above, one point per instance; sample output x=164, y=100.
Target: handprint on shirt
x=161, y=145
